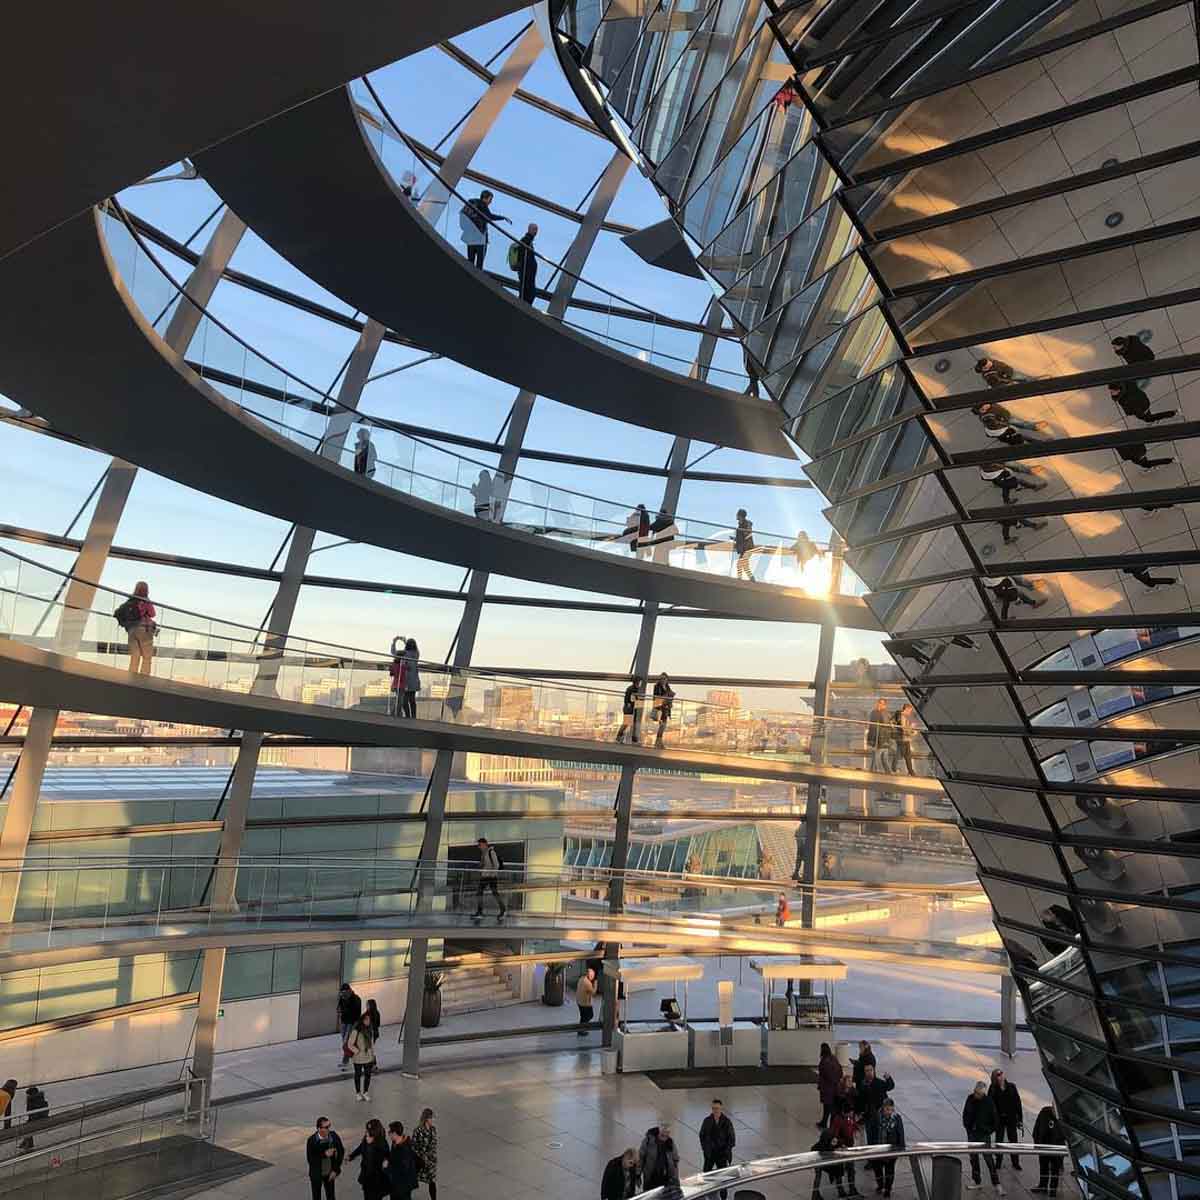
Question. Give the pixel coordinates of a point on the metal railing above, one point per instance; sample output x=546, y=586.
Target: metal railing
x=919, y=1157
x=304, y=413
x=194, y=648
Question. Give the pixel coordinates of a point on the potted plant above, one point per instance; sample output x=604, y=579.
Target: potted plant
x=554, y=984
x=431, y=1000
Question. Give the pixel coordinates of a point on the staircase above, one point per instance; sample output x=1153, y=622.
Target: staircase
x=469, y=988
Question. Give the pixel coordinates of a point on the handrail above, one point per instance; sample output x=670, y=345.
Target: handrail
x=328, y=399
x=69, y=1114
x=314, y=651
x=695, y=1186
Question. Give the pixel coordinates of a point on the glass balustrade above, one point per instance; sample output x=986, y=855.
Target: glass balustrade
x=36, y=608
x=470, y=486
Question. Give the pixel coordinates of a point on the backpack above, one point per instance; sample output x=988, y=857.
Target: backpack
x=514, y=256
x=128, y=615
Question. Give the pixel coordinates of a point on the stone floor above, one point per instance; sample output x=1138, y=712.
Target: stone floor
x=524, y=1121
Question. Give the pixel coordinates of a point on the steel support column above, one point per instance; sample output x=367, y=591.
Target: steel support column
x=241, y=788
x=468, y=628
x=623, y=802
x=478, y=125
x=89, y=566
x=1008, y=1015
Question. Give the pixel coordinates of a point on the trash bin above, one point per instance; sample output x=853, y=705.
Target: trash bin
x=608, y=1062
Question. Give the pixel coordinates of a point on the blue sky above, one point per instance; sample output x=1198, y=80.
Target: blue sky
x=48, y=481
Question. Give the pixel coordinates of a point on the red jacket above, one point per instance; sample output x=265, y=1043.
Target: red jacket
x=396, y=671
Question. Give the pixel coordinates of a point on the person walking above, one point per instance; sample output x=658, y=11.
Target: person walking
x=902, y=737
x=990, y=411
x=637, y=527
x=365, y=458
x=1134, y=402
x=1048, y=1132
x=1143, y=576
x=890, y=1132
x=136, y=617
x=7, y=1092
x=664, y=694
x=585, y=996
x=620, y=1180
x=829, y=1076
x=474, y=219
x=37, y=1108
x=859, y=1065
x=373, y=1015
x=660, y=1159
x=481, y=489
x=324, y=1152
x=425, y=1143
x=1010, y=1118
x=403, y=1163
x=743, y=544
x=361, y=1046
x=997, y=429
x=995, y=374
x=1007, y=593
x=349, y=1009
x=783, y=911
x=1139, y=456
x=1132, y=349
x=489, y=877
x=717, y=1140
x=979, y=1123
x=631, y=709
x=523, y=261
x=1008, y=481
x=412, y=678
x=372, y=1171
x=879, y=739
x=1007, y=527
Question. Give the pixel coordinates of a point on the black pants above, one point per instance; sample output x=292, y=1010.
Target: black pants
x=401, y=1194
x=487, y=885
x=992, y=1160
x=408, y=705
x=431, y=1184
x=904, y=750
x=826, y=1113
x=885, y=1175
x=475, y=254
x=586, y=1012
x=834, y=1176
x=1049, y=1169
x=1008, y=1133
x=714, y=1162
x=362, y=1076
x=316, y=1182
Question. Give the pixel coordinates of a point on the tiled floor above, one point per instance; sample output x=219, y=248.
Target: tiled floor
x=518, y=1120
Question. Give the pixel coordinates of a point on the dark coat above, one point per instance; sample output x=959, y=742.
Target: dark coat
x=872, y=1095
x=403, y=1167
x=527, y=268
x=1135, y=350
x=861, y=1063
x=371, y=1172
x=979, y=1117
x=660, y=1160
x=717, y=1138
x=616, y=1183
x=1046, y=1129
x=829, y=1075
x=314, y=1152
x=349, y=1007
x=1008, y=1103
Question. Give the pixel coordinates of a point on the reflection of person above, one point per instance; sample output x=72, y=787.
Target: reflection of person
x=994, y=373
x=1133, y=402
x=1139, y=455
x=1132, y=350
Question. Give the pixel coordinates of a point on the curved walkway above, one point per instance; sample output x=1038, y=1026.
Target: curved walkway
x=129, y=89
x=312, y=186
x=67, y=281
x=35, y=945
x=41, y=678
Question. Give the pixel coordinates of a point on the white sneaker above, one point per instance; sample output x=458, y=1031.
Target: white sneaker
x=367, y=1096
x=974, y=1187
x=1000, y=1190
x=360, y=1096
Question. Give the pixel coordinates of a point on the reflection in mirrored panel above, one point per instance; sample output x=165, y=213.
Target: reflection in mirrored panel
x=1103, y=276
x=945, y=707
x=997, y=805
x=899, y=450
x=937, y=606
x=1057, y=152
x=878, y=398
x=955, y=655
x=919, y=556
x=1102, y=649
x=892, y=510
x=1014, y=856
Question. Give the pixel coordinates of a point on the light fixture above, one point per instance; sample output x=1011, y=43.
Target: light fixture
x=942, y=366
x=1114, y=219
